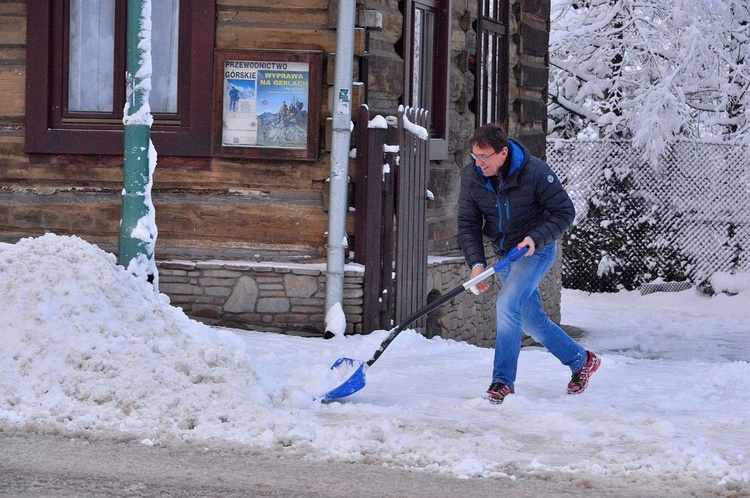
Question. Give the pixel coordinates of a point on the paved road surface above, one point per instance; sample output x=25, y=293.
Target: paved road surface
x=33, y=465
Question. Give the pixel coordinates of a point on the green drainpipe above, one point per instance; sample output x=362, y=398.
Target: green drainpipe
x=135, y=252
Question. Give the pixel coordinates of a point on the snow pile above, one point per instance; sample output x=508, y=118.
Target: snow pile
x=730, y=283
x=86, y=345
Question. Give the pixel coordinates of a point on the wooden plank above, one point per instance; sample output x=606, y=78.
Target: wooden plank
x=411, y=258
x=245, y=36
x=369, y=217
x=13, y=91
x=68, y=171
x=359, y=176
x=257, y=175
x=387, y=247
x=12, y=30
x=64, y=214
x=207, y=220
x=276, y=18
x=10, y=7
x=264, y=5
x=13, y=56
x=241, y=223
x=171, y=172
x=11, y=148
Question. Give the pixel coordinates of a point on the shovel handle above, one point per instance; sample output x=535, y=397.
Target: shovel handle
x=512, y=256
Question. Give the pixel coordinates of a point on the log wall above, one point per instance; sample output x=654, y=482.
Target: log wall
x=205, y=207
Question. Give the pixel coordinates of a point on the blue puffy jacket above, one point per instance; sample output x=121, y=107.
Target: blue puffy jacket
x=531, y=201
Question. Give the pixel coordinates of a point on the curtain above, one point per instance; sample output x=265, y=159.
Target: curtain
x=164, y=55
x=92, y=48
x=91, y=54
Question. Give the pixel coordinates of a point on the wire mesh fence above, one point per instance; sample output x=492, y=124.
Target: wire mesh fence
x=682, y=219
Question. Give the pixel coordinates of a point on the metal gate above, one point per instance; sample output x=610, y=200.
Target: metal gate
x=390, y=233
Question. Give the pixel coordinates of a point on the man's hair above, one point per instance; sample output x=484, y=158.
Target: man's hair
x=490, y=135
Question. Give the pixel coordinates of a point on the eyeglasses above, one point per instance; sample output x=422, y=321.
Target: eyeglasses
x=482, y=157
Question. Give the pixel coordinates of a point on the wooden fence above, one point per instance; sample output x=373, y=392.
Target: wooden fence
x=390, y=194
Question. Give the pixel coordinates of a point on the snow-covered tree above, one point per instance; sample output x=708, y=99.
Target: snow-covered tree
x=650, y=70
x=619, y=245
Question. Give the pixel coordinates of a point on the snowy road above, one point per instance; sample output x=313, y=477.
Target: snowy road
x=39, y=466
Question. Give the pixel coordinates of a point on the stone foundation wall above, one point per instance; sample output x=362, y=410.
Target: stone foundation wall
x=266, y=297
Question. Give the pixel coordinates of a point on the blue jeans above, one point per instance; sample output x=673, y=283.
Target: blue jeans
x=519, y=308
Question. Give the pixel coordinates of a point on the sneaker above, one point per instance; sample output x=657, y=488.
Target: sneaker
x=580, y=380
x=497, y=392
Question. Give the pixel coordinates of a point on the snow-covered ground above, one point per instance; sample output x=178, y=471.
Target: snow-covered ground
x=87, y=349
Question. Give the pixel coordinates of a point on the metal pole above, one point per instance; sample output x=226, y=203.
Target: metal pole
x=340, y=143
x=135, y=252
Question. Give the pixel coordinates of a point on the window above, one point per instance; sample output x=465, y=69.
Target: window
x=426, y=46
x=75, y=92
x=490, y=104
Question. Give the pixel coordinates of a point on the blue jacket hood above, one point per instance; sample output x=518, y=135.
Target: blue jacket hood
x=517, y=154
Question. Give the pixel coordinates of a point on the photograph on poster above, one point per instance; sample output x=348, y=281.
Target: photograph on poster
x=266, y=104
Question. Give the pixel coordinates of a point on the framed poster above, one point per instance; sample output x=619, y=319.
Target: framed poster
x=267, y=104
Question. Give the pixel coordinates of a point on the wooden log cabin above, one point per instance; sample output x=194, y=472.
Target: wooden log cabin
x=242, y=229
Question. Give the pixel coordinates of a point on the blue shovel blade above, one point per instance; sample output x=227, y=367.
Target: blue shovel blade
x=354, y=383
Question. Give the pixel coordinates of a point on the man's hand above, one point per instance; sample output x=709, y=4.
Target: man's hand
x=483, y=285
x=528, y=241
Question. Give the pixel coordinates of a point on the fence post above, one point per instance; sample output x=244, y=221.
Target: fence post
x=411, y=224
x=369, y=221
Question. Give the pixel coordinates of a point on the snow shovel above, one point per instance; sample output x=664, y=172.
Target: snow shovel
x=356, y=379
